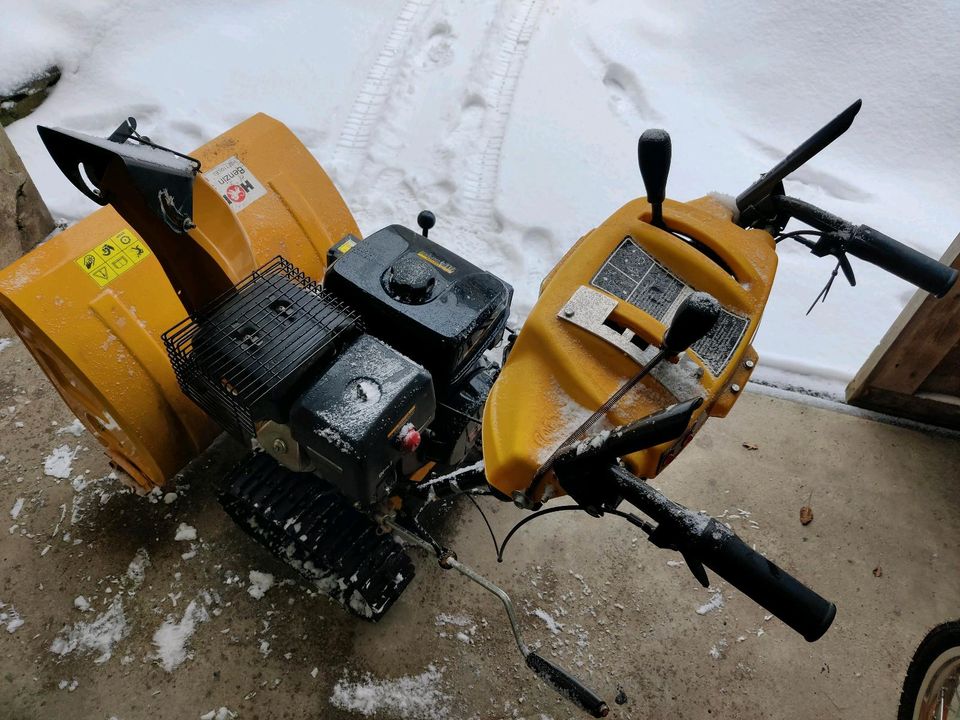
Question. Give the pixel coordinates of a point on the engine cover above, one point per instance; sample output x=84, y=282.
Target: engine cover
x=422, y=299
x=349, y=419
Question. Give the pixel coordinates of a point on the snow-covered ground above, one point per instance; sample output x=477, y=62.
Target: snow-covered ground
x=516, y=120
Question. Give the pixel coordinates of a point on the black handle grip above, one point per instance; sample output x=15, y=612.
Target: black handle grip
x=562, y=681
x=653, y=152
x=763, y=581
x=703, y=539
x=901, y=260
x=695, y=317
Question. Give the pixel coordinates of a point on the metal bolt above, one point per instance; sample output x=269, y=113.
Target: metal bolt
x=734, y=388
x=569, y=312
x=749, y=364
x=279, y=446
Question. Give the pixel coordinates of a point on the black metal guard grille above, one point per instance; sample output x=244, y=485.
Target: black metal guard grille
x=240, y=356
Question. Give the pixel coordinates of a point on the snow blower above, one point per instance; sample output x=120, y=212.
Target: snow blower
x=231, y=291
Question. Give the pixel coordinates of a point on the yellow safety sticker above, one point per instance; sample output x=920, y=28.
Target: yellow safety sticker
x=436, y=262
x=111, y=258
x=346, y=246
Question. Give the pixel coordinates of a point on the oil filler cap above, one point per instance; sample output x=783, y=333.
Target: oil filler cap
x=411, y=280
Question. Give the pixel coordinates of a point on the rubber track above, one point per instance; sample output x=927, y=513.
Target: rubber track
x=305, y=522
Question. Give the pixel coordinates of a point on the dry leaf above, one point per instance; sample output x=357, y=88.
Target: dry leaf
x=806, y=515
x=749, y=446
x=877, y=571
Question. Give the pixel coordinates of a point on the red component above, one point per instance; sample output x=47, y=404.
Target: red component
x=410, y=440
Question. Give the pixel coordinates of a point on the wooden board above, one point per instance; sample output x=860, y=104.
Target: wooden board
x=915, y=370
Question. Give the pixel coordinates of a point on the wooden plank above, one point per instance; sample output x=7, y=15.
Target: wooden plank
x=24, y=218
x=926, y=408
x=917, y=342
x=945, y=379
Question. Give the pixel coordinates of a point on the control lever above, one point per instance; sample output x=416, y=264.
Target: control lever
x=694, y=318
x=563, y=681
x=426, y=220
x=653, y=153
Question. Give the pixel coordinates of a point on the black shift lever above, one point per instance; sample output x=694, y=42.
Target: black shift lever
x=653, y=153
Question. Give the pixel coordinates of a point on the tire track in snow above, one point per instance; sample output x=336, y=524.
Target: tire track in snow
x=481, y=176
x=368, y=108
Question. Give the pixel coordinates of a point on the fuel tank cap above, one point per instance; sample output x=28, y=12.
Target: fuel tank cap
x=411, y=280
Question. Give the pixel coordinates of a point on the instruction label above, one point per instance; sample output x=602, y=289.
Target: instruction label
x=632, y=274
x=108, y=260
x=235, y=183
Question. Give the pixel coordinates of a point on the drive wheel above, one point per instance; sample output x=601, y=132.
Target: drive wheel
x=931, y=689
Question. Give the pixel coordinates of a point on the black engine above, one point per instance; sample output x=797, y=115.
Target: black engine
x=362, y=381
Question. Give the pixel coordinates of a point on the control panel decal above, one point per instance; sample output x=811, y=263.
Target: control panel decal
x=633, y=275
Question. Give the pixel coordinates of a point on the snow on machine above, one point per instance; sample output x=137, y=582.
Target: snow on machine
x=230, y=290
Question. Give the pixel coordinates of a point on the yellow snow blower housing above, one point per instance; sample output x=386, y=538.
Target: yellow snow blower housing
x=601, y=316
x=92, y=302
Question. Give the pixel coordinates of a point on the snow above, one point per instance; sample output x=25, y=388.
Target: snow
x=100, y=635
x=10, y=618
x=260, y=582
x=714, y=603
x=81, y=603
x=418, y=697
x=59, y=463
x=552, y=625
x=517, y=123
x=185, y=532
x=17, y=507
x=220, y=713
x=172, y=637
x=5, y=343
x=75, y=428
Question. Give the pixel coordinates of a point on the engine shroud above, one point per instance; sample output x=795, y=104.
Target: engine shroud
x=242, y=358
x=422, y=299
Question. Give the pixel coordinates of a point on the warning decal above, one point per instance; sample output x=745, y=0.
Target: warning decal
x=111, y=258
x=631, y=274
x=235, y=184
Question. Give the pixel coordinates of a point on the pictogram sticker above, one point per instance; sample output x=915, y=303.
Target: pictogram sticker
x=110, y=259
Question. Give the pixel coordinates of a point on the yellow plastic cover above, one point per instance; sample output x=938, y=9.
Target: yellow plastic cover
x=601, y=315
x=92, y=302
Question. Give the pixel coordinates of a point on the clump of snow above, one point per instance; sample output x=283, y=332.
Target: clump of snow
x=185, y=532
x=170, y=497
x=552, y=625
x=418, y=697
x=59, y=463
x=136, y=570
x=714, y=603
x=5, y=343
x=10, y=618
x=260, y=582
x=719, y=651
x=75, y=428
x=81, y=603
x=69, y=685
x=220, y=713
x=17, y=507
x=172, y=637
x=100, y=635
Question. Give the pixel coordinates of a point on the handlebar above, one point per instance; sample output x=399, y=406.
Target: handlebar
x=901, y=260
x=565, y=683
x=702, y=539
x=872, y=246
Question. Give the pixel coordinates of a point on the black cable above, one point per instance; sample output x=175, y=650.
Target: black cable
x=799, y=236
x=501, y=548
x=527, y=519
x=496, y=546
x=462, y=414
